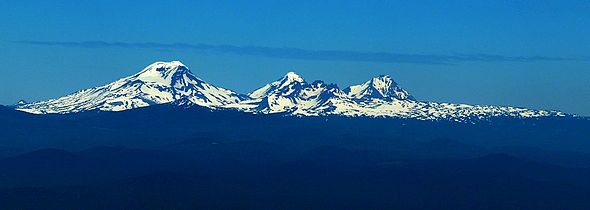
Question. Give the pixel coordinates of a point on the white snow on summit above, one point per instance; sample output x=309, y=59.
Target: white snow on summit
x=378, y=97
x=292, y=94
x=379, y=87
x=173, y=82
x=287, y=80
x=159, y=83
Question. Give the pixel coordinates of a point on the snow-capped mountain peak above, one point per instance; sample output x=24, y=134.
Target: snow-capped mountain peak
x=173, y=83
x=383, y=87
x=162, y=72
x=291, y=77
x=289, y=80
x=158, y=83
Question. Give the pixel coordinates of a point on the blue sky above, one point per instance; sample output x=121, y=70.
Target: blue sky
x=523, y=53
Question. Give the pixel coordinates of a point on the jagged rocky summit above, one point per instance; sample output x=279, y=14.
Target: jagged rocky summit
x=173, y=82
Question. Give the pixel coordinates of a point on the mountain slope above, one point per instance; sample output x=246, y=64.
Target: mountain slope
x=288, y=80
x=378, y=97
x=379, y=87
x=172, y=82
x=159, y=83
x=292, y=94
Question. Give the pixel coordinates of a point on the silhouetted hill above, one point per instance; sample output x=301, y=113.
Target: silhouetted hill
x=491, y=182
x=195, y=128
x=49, y=167
x=190, y=157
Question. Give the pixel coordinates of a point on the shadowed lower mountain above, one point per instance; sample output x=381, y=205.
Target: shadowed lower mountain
x=191, y=157
x=178, y=128
x=325, y=178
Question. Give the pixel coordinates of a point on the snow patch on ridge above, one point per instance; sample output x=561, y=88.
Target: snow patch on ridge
x=379, y=87
x=158, y=83
x=173, y=82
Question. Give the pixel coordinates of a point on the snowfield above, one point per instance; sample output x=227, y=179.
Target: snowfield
x=168, y=82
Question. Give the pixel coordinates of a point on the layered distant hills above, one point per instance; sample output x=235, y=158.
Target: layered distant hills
x=173, y=83
x=165, y=139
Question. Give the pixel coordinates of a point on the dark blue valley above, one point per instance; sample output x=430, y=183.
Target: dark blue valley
x=168, y=156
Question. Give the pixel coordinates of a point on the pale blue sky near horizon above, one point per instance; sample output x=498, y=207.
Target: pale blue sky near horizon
x=532, y=54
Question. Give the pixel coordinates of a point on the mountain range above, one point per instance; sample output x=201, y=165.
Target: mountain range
x=165, y=139
x=173, y=83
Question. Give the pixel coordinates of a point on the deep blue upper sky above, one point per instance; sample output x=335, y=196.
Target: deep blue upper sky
x=523, y=53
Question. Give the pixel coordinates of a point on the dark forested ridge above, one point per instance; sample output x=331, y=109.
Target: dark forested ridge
x=173, y=157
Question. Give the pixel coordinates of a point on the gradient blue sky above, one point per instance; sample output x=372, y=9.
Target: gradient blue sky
x=523, y=53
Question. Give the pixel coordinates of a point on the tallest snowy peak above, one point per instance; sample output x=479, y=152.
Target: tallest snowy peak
x=166, y=64
x=173, y=83
x=158, y=83
x=163, y=72
x=165, y=67
x=162, y=66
